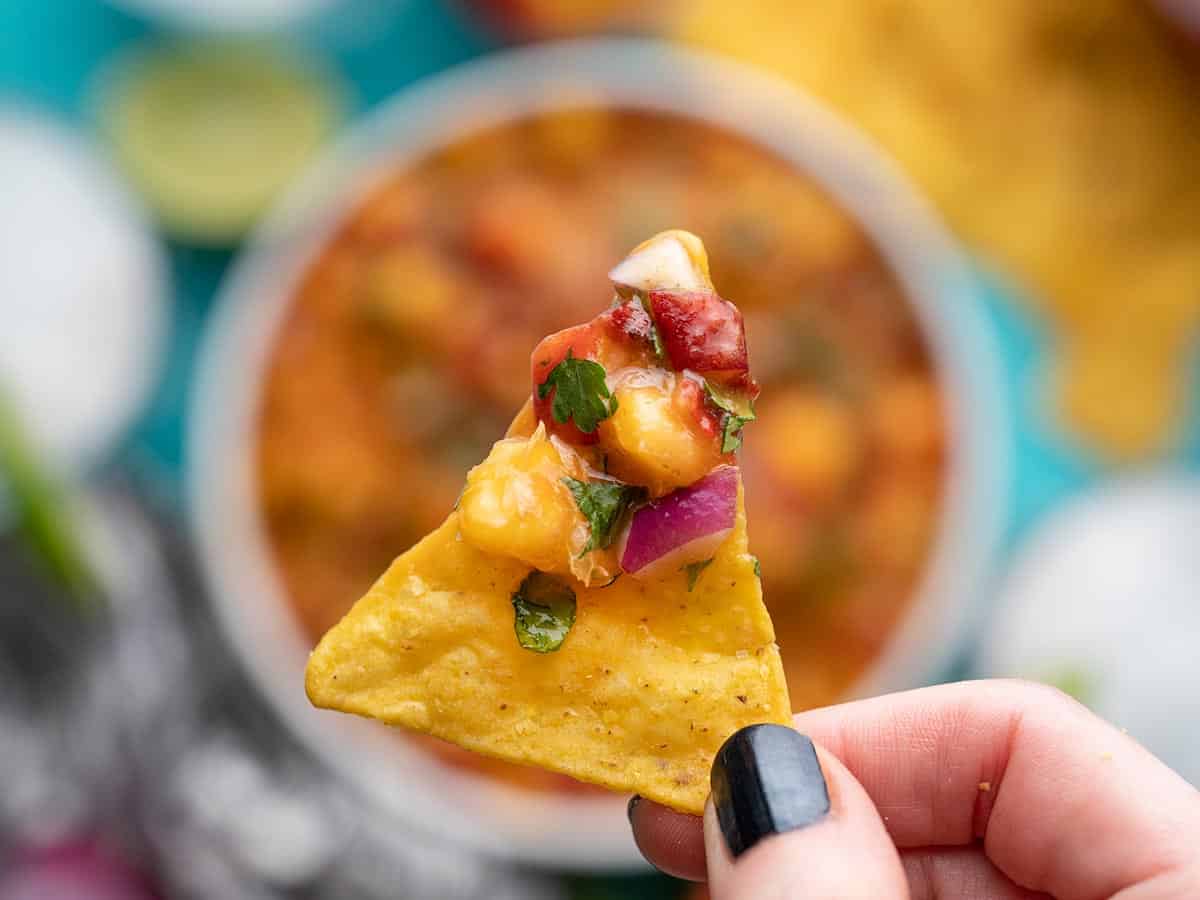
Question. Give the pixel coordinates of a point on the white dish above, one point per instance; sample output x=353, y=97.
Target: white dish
x=1103, y=598
x=83, y=282
x=566, y=832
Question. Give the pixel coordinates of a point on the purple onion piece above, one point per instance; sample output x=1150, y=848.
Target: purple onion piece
x=683, y=527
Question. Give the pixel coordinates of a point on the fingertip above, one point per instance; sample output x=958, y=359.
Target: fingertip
x=673, y=842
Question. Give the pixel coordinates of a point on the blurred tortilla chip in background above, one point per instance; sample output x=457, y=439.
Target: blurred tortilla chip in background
x=1062, y=138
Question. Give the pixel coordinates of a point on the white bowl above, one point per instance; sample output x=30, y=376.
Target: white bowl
x=571, y=832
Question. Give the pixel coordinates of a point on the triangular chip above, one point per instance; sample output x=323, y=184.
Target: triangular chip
x=655, y=670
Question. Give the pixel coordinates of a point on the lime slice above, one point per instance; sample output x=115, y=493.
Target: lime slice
x=211, y=133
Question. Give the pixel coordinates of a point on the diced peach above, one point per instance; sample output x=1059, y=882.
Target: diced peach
x=409, y=290
x=907, y=417
x=512, y=227
x=653, y=441
x=515, y=504
x=810, y=443
x=897, y=521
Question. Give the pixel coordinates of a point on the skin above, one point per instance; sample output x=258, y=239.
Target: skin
x=992, y=790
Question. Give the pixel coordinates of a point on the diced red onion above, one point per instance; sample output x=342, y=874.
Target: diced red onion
x=683, y=527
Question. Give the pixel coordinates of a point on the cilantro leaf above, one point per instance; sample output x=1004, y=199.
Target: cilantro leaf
x=580, y=393
x=693, y=571
x=731, y=432
x=603, y=503
x=736, y=413
x=545, y=612
x=757, y=569
x=655, y=338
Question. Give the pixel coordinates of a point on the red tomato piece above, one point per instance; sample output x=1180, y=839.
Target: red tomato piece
x=689, y=396
x=584, y=343
x=700, y=331
x=631, y=319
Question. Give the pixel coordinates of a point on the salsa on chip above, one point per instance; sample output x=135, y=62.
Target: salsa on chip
x=590, y=606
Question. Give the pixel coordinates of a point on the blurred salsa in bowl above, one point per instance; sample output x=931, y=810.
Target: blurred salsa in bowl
x=405, y=353
x=368, y=355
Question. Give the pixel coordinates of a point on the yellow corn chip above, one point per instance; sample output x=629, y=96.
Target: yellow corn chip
x=649, y=682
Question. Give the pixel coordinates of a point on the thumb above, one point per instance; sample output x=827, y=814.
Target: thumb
x=787, y=819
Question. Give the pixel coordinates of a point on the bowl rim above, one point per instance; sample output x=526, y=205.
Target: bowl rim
x=567, y=832
x=197, y=17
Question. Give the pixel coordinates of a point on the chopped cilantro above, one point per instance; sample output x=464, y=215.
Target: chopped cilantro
x=580, y=393
x=655, y=338
x=736, y=412
x=602, y=503
x=545, y=612
x=731, y=432
x=693, y=571
x=757, y=569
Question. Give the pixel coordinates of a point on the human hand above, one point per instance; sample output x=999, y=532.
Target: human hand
x=990, y=790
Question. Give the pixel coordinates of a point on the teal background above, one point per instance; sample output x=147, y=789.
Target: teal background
x=50, y=51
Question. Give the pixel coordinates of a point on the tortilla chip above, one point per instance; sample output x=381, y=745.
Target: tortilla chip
x=646, y=687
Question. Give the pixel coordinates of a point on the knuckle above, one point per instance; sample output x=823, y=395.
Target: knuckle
x=1028, y=693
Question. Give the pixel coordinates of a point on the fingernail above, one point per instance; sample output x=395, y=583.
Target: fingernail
x=766, y=780
x=633, y=802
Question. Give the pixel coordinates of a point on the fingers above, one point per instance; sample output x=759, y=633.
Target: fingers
x=786, y=820
x=959, y=873
x=1066, y=804
x=672, y=841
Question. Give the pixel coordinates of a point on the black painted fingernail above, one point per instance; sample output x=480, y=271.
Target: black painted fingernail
x=633, y=802
x=766, y=779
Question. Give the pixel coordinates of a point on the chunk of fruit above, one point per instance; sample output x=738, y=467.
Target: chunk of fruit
x=511, y=224
x=629, y=320
x=701, y=332
x=515, y=504
x=584, y=343
x=811, y=444
x=652, y=440
x=410, y=292
x=673, y=261
x=907, y=418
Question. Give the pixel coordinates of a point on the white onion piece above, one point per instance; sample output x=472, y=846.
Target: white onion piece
x=686, y=526
x=672, y=260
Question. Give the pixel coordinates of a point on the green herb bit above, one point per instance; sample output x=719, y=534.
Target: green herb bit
x=580, y=393
x=757, y=568
x=736, y=413
x=603, y=504
x=545, y=612
x=693, y=571
x=655, y=338
x=731, y=433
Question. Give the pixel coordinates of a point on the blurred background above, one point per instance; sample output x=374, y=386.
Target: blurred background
x=270, y=271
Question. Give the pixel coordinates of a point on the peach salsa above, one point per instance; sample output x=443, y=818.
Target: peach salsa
x=405, y=348
x=591, y=606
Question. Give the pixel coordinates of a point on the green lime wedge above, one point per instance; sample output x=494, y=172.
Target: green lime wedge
x=211, y=133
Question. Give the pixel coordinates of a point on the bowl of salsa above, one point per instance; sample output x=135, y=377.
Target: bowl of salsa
x=373, y=341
